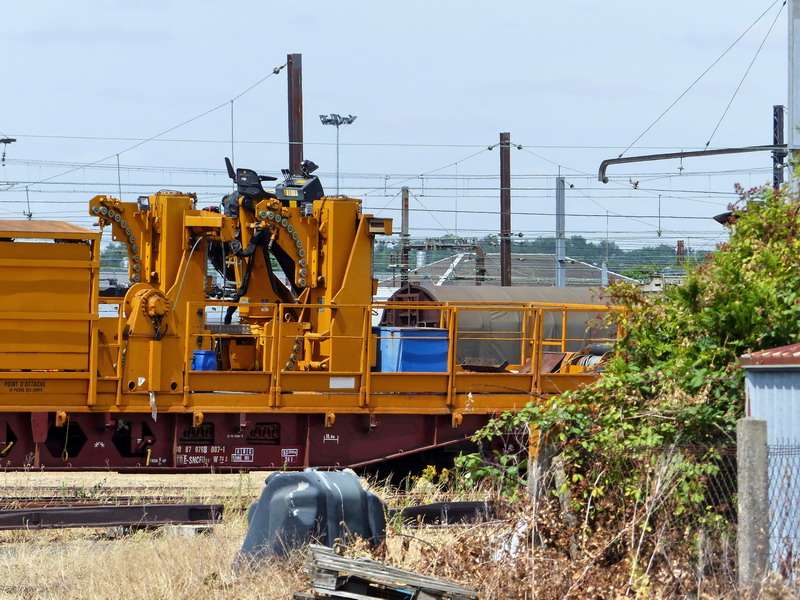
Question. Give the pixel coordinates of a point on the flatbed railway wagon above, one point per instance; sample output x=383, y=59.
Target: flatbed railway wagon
x=287, y=372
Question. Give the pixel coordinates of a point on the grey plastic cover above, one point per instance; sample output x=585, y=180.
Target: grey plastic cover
x=324, y=507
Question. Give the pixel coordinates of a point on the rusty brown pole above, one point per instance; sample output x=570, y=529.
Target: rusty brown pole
x=294, y=73
x=404, y=237
x=505, y=209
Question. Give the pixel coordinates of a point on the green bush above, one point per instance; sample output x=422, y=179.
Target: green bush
x=675, y=378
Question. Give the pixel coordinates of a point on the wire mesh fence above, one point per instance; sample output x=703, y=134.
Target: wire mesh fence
x=685, y=512
x=675, y=517
x=783, y=477
x=707, y=490
x=694, y=492
x=704, y=477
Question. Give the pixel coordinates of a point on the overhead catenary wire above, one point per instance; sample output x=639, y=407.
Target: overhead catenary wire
x=593, y=201
x=703, y=74
x=170, y=169
x=275, y=71
x=603, y=192
x=552, y=214
x=560, y=166
x=520, y=147
x=530, y=184
x=430, y=213
x=350, y=143
x=447, y=166
x=637, y=236
x=695, y=197
x=741, y=81
x=438, y=186
x=572, y=187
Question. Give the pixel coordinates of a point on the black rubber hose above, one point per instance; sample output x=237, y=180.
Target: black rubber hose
x=281, y=291
x=242, y=291
x=255, y=241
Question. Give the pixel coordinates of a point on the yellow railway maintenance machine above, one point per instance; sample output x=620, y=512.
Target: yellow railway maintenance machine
x=167, y=377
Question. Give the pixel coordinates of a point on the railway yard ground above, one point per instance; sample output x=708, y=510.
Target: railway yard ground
x=162, y=563
x=525, y=552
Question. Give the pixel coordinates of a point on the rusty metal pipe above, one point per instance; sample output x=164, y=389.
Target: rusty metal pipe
x=601, y=176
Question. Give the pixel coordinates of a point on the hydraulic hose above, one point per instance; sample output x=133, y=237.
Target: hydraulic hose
x=255, y=241
x=247, y=252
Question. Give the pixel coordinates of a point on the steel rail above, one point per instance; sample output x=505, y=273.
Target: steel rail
x=142, y=515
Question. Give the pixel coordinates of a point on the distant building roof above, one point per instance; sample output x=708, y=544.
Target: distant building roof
x=526, y=269
x=664, y=279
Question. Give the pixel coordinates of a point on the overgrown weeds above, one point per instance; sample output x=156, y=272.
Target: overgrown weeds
x=537, y=550
x=643, y=452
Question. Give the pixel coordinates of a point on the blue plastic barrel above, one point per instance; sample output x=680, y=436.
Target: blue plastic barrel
x=204, y=360
x=411, y=350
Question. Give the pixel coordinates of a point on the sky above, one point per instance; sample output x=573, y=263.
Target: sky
x=85, y=83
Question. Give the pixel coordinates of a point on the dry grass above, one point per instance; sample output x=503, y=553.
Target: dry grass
x=93, y=564
x=100, y=485
x=88, y=564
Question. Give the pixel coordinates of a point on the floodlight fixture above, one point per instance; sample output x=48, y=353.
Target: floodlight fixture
x=337, y=121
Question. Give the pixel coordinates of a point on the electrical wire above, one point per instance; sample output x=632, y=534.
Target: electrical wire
x=524, y=149
x=573, y=187
x=750, y=66
x=430, y=213
x=631, y=235
x=275, y=71
x=686, y=91
x=485, y=149
x=466, y=190
x=169, y=169
x=354, y=144
x=551, y=214
x=518, y=189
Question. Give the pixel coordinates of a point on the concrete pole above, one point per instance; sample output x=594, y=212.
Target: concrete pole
x=753, y=532
x=561, y=240
x=778, y=156
x=505, y=209
x=294, y=74
x=794, y=87
x=404, y=237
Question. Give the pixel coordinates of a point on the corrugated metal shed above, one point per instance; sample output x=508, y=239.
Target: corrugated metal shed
x=772, y=388
x=772, y=391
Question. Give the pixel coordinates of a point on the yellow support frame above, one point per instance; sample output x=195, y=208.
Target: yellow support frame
x=273, y=389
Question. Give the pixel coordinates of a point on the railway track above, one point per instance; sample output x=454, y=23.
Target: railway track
x=110, y=515
x=38, y=512
x=15, y=502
